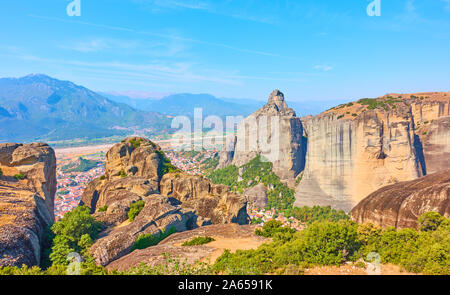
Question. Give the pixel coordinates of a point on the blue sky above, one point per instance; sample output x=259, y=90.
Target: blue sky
x=309, y=49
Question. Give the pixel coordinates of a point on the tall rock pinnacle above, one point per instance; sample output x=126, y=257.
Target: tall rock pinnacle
x=282, y=143
x=276, y=106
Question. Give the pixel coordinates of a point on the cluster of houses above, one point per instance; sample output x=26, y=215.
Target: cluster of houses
x=189, y=164
x=70, y=188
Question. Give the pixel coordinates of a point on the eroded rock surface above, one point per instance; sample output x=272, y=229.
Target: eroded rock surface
x=137, y=170
x=256, y=197
x=26, y=205
x=401, y=204
x=242, y=237
x=210, y=201
x=159, y=214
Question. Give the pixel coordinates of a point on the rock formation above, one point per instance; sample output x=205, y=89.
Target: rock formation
x=159, y=214
x=26, y=201
x=226, y=235
x=137, y=169
x=256, y=197
x=356, y=148
x=274, y=132
x=401, y=204
x=212, y=202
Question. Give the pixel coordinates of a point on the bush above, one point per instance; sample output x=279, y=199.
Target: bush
x=20, y=176
x=148, y=240
x=322, y=243
x=123, y=174
x=272, y=227
x=430, y=221
x=426, y=251
x=135, y=209
x=198, y=241
x=136, y=143
x=1, y=172
x=317, y=213
x=103, y=209
x=165, y=165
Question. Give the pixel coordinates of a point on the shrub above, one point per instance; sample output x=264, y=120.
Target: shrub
x=1, y=172
x=123, y=174
x=20, y=176
x=103, y=209
x=430, y=221
x=197, y=241
x=135, y=209
x=148, y=240
x=322, y=243
x=103, y=177
x=165, y=165
x=136, y=143
x=312, y=214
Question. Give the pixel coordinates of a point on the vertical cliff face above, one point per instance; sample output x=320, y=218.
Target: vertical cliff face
x=432, y=122
x=274, y=132
x=357, y=148
x=27, y=190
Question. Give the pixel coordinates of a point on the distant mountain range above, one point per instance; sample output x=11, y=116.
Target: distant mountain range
x=185, y=103
x=41, y=108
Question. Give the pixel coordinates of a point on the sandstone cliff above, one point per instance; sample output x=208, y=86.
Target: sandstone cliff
x=26, y=201
x=401, y=204
x=356, y=148
x=274, y=132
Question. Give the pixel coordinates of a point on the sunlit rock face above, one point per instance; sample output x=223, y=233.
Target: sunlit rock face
x=27, y=192
x=353, y=150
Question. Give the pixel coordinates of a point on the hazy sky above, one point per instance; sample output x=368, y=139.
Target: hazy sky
x=309, y=49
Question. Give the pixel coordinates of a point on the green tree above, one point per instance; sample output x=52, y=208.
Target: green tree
x=430, y=221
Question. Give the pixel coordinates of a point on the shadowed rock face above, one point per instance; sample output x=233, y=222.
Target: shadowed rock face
x=274, y=132
x=26, y=205
x=401, y=204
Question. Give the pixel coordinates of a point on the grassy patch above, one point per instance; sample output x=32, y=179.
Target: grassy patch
x=20, y=176
x=103, y=209
x=135, y=209
x=197, y=241
x=148, y=240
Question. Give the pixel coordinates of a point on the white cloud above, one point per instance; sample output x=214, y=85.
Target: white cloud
x=324, y=68
x=447, y=5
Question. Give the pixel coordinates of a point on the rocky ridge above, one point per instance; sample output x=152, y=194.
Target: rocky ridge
x=137, y=170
